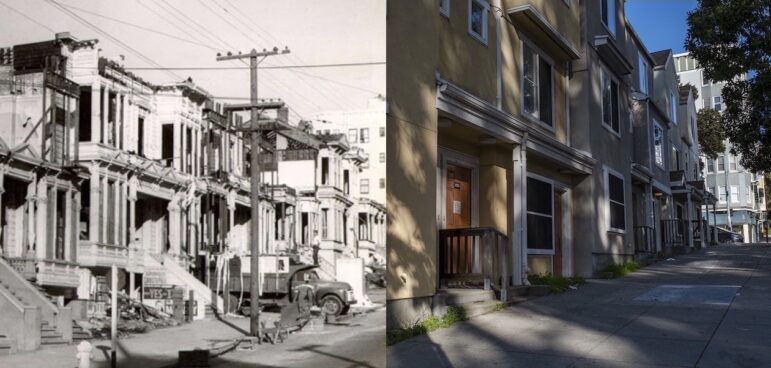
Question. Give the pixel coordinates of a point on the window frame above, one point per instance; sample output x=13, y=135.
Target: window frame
x=658, y=155
x=715, y=102
x=722, y=195
x=550, y=182
x=673, y=107
x=355, y=135
x=738, y=200
x=364, y=183
x=732, y=164
x=382, y=131
x=444, y=8
x=605, y=73
x=610, y=23
x=643, y=72
x=381, y=157
x=538, y=54
x=608, y=173
x=364, y=138
x=485, y=21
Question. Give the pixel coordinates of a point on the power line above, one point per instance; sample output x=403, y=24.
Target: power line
x=305, y=66
x=28, y=17
x=109, y=36
x=140, y=27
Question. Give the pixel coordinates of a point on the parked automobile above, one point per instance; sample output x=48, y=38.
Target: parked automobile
x=334, y=297
x=725, y=236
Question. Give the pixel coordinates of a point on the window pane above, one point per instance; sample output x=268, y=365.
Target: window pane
x=614, y=104
x=605, y=11
x=616, y=188
x=606, y=109
x=528, y=76
x=617, y=216
x=539, y=196
x=539, y=232
x=477, y=18
x=544, y=83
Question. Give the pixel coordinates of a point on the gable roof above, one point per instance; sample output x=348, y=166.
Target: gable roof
x=660, y=57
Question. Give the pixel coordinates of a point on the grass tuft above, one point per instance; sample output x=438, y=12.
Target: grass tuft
x=454, y=314
x=623, y=269
x=557, y=284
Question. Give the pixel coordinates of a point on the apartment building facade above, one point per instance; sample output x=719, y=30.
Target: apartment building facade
x=99, y=167
x=549, y=127
x=365, y=129
x=739, y=191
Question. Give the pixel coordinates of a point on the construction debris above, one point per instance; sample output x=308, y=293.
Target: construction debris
x=134, y=317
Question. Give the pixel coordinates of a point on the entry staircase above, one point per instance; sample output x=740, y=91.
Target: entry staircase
x=28, y=316
x=178, y=275
x=326, y=269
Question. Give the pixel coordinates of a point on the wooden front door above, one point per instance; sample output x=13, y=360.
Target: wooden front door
x=557, y=262
x=458, y=197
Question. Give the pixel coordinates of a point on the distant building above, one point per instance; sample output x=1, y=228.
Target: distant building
x=735, y=187
x=365, y=129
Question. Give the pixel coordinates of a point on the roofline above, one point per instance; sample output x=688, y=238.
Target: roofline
x=639, y=41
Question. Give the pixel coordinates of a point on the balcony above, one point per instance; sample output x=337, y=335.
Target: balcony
x=474, y=256
x=92, y=254
x=58, y=273
x=674, y=235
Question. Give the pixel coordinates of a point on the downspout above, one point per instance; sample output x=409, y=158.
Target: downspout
x=498, y=72
x=523, y=207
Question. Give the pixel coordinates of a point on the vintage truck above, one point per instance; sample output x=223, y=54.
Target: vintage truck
x=334, y=297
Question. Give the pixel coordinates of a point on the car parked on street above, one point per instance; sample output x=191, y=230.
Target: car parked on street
x=725, y=236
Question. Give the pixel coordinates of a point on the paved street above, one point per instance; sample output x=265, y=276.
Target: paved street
x=711, y=308
x=360, y=343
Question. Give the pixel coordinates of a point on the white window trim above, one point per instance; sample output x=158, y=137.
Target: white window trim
x=609, y=127
x=485, y=19
x=673, y=107
x=524, y=41
x=607, y=173
x=655, y=159
x=444, y=10
x=731, y=193
x=643, y=64
x=721, y=190
x=717, y=163
x=551, y=198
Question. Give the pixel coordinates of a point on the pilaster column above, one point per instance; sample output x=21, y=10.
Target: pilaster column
x=104, y=215
x=173, y=209
x=68, y=225
x=177, y=156
x=2, y=190
x=122, y=233
x=517, y=218
x=105, y=115
x=42, y=221
x=75, y=221
x=119, y=109
x=93, y=209
x=31, y=199
x=132, y=203
x=96, y=111
x=688, y=213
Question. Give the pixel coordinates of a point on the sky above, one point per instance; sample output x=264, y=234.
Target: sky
x=316, y=32
x=662, y=24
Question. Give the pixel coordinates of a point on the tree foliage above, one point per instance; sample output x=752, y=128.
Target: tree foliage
x=694, y=90
x=711, y=135
x=731, y=39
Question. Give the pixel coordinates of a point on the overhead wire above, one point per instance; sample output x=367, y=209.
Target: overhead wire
x=99, y=30
x=260, y=31
x=27, y=17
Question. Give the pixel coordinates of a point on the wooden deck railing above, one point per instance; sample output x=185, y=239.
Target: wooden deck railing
x=645, y=239
x=674, y=233
x=475, y=255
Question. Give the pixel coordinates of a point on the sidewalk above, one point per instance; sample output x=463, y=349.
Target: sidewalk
x=711, y=308
x=332, y=344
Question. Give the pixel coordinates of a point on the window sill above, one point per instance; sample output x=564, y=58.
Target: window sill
x=538, y=122
x=478, y=38
x=541, y=252
x=617, y=231
x=615, y=133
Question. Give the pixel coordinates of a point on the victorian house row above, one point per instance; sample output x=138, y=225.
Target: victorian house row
x=529, y=137
x=99, y=167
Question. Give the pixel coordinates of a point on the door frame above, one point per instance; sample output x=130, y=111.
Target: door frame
x=566, y=234
x=452, y=157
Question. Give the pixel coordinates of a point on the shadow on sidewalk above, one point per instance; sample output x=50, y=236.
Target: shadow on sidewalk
x=315, y=349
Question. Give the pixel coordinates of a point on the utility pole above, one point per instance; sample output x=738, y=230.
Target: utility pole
x=255, y=58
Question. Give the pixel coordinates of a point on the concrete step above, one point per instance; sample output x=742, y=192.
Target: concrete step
x=464, y=296
x=53, y=341
x=479, y=308
x=49, y=334
x=7, y=345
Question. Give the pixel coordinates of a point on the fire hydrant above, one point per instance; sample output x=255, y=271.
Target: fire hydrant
x=84, y=354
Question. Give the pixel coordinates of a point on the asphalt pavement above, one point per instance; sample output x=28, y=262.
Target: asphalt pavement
x=710, y=308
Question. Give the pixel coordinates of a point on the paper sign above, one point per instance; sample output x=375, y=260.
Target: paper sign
x=456, y=207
